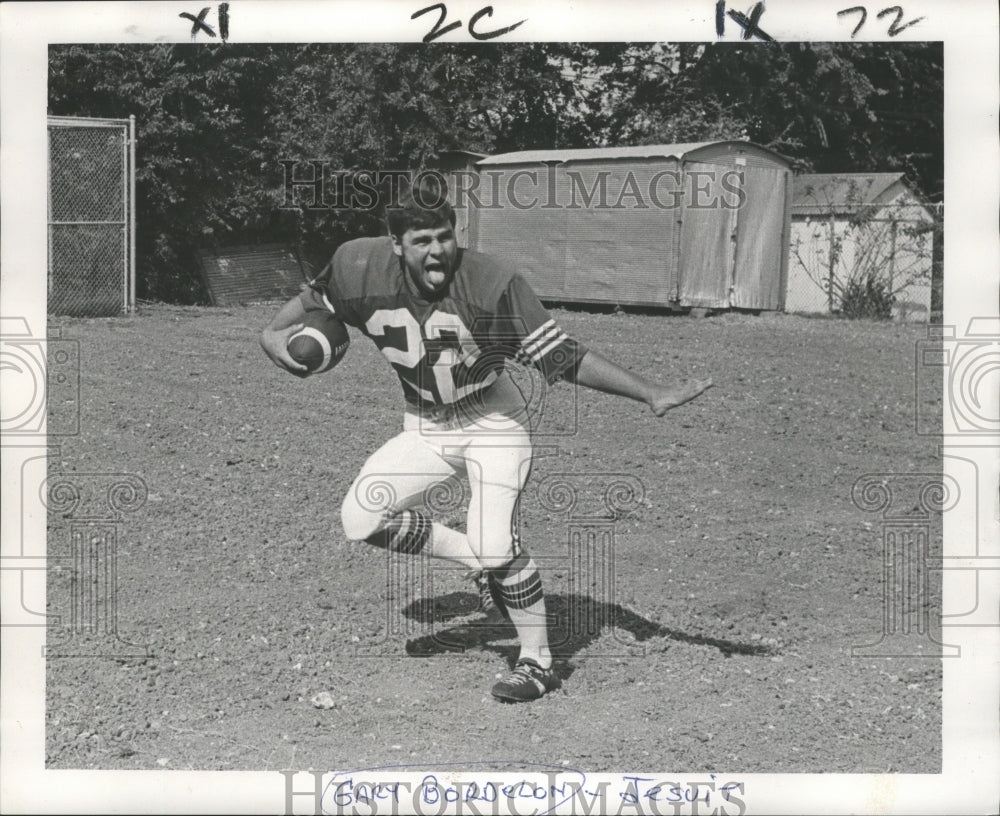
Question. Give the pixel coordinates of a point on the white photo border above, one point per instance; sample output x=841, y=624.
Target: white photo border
x=971, y=737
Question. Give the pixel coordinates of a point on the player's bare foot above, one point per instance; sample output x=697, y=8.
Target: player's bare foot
x=662, y=400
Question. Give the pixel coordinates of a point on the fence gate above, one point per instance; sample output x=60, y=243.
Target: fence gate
x=91, y=185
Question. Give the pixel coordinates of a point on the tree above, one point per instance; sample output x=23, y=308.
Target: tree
x=215, y=121
x=829, y=107
x=202, y=117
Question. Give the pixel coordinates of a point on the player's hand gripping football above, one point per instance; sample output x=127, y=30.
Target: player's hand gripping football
x=662, y=399
x=275, y=345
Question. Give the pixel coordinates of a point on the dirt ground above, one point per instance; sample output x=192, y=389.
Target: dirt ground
x=706, y=620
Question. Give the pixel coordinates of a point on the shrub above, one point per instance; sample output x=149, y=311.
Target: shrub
x=867, y=297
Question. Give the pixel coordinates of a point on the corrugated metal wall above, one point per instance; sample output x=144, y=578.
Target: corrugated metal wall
x=621, y=252
x=603, y=239
x=734, y=154
x=513, y=226
x=626, y=248
x=759, y=246
x=707, y=239
x=760, y=259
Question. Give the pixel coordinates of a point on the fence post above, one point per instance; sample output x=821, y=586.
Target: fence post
x=130, y=308
x=892, y=253
x=833, y=261
x=91, y=220
x=937, y=265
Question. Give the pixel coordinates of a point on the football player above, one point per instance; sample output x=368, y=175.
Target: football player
x=449, y=321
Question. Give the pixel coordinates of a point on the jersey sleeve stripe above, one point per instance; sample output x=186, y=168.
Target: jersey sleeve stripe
x=542, y=340
x=543, y=328
x=558, y=341
x=539, y=349
x=326, y=302
x=533, y=346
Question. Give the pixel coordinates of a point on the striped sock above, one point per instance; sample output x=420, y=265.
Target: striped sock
x=521, y=591
x=408, y=532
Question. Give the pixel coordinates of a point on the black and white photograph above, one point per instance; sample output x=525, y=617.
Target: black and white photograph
x=442, y=408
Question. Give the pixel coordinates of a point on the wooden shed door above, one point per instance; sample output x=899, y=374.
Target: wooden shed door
x=759, y=246
x=708, y=231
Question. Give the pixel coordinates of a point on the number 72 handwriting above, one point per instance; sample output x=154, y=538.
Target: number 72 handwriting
x=894, y=26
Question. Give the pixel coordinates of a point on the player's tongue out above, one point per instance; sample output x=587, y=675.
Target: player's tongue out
x=435, y=273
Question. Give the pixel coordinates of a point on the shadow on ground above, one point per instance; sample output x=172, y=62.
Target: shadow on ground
x=575, y=622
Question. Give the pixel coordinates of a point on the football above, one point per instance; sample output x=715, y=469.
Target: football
x=320, y=344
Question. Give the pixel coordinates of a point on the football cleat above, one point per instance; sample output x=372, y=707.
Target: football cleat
x=528, y=681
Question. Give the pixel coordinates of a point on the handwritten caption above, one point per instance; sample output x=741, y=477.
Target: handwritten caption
x=748, y=23
x=371, y=791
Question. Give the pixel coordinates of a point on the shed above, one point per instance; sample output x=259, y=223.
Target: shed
x=849, y=227
x=696, y=224
x=459, y=167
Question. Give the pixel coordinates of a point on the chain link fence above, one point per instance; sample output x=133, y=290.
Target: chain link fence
x=867, y=260
x=91, y=255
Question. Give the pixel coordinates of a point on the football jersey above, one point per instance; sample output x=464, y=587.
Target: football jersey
x=447, y=349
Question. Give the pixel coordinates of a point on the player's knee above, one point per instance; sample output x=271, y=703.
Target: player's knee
x=497, y=552
x=358, y=522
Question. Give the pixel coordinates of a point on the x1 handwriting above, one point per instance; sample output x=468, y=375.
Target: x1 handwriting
x=199, y=23
x=439, y=29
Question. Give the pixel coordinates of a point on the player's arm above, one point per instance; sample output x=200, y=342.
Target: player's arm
x=274, y=337
x=601, y=374
x=547, y=347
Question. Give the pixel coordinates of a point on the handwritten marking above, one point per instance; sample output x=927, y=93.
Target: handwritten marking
x=852, y=10
x=487, y=11
x=199, y=23
x=439, y=29
x=224, y=21
x=552, y=787
x=436, y=31
x=749, y=24
x=894, y=27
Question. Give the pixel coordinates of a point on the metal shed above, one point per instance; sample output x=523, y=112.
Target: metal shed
x=698, y=224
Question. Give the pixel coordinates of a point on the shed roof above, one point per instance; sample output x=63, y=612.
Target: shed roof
x=823, y=193
x=663, y=151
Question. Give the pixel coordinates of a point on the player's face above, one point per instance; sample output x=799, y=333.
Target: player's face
x=429, y=256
